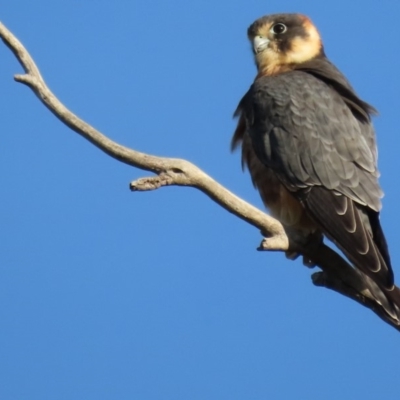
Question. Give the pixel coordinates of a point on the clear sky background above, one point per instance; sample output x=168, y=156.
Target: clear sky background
x=108, y=294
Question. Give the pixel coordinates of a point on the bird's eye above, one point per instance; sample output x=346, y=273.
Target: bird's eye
x=279, y=28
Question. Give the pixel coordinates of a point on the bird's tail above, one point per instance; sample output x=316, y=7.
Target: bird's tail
x=394, y=299
x=389, y=300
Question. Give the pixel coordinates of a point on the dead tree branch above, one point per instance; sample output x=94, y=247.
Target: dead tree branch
x=336, y=273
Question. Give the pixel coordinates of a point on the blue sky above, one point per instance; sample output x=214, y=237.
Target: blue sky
x=108, y=294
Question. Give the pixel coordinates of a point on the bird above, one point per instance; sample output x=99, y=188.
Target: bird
x=308, y=142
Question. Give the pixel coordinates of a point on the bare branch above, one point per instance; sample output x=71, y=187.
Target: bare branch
x=170, y=171
x=337, y=274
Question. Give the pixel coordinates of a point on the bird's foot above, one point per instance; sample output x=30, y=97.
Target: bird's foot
x=292, y=255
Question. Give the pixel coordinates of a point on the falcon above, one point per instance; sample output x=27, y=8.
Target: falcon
x=309, y=144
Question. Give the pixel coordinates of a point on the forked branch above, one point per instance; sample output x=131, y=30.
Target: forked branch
x=336, y=273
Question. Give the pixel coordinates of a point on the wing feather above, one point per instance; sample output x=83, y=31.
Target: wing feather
x=321, y=145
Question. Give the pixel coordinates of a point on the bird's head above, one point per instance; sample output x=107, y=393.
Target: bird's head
x=280, y=41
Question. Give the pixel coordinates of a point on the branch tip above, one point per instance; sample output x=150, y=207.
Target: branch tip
x=274, y=243
x=151, y=183
x=24, y=78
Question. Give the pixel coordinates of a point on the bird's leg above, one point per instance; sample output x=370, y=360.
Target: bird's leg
x=292, y=255
x=314, y=240
x=311, y=241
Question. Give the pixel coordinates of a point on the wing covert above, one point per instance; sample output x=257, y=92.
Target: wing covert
x=304, y=130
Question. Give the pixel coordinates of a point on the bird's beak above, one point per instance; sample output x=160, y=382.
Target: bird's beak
x=260, y=43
